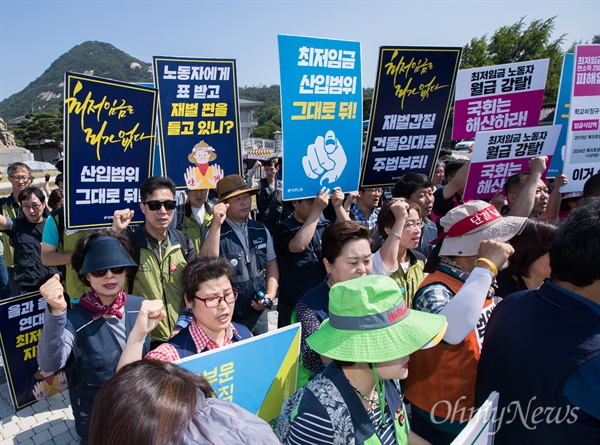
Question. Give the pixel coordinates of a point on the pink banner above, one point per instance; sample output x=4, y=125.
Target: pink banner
x=587, y=72
x=497, y=113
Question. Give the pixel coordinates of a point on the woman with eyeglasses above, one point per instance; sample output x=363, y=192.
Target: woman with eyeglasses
x=410, y=261
x=210, y=297
x=86, y=341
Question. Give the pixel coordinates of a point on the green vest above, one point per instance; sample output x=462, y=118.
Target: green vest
x=9, y=211
x=161, y=280
x=74, y=287
x=191, y=228
x=411, y=280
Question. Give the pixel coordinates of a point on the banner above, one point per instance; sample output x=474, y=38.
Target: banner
x=199, y=120
x=561, y=115
x=499, y=97
x=321, y=114
x=582, y=159
x=258, y=374
x=411, y=100
x=497, y=155
x=109, y=137
x=21, y=322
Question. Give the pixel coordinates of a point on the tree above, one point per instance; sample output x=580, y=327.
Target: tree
x=37, y=127
x=269, y=121
x=518, y=43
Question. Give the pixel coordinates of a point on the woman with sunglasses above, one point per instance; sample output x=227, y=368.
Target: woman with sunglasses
x=210, y=297
x=86, y=341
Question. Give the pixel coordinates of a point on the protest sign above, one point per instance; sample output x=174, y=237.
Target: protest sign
x=198, y=120
x=499, y=97
x=258, y=374
x=21, y=322
x=498, y=155
x=411, y=100
x=561, y=115
x=321, y=109
x=582, y=159
x=109, y=138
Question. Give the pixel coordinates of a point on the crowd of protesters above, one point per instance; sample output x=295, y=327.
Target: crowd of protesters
x=420, y=276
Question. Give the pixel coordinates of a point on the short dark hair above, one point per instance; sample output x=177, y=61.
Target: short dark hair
x=55, y=198
x=409, y=183
x=453, y=166
x=162, y=398
x=337, y=235
x=28, y=191
x=271, y=163
x=513, y=183
x=81, y=246
x=202, y=269
x=154, y=183
x=592, y=186
x=386, y=218
x=16, y=166
x=574, y=251
x=532, y=243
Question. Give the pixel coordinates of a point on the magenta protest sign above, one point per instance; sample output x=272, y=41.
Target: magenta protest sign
x=497, y=155
x=499, y=97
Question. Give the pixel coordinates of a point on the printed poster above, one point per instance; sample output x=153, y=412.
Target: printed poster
x=582, y=159
x=109, y=138
x=258, y=374
x=321, y=109
x=561, y=115
x=21, y=322
x=199, y=120
x=411, y=100
x=499, y=97
x=497, y=155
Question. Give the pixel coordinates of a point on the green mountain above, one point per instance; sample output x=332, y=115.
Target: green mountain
x=93, y=58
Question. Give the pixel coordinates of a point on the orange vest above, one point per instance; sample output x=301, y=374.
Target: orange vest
x=442, y=379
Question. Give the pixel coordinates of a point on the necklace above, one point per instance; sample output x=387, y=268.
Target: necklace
x=362, y=396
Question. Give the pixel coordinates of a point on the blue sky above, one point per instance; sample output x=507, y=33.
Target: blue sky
x=36, y=32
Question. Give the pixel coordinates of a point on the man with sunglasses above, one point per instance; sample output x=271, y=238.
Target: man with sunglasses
x=25, y=234
x=161, y=252
x=210, y=296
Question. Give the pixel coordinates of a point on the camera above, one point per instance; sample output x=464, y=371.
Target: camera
x=259, y=297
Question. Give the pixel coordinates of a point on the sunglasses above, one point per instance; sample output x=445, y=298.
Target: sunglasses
x=155, y=205
x=114, y=270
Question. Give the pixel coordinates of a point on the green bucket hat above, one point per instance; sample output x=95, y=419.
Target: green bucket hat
x=369, y=322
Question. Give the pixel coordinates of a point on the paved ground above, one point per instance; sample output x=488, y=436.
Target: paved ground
x=48, y=422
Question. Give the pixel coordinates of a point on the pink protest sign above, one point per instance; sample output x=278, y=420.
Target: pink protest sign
x=499, y=97
x=497, y=155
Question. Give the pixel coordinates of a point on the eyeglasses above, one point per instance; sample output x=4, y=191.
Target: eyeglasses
x=33, y=207
x=215, y=300
x=114, y=270
x=413, y=225
x=155, y=205
x=19, y=178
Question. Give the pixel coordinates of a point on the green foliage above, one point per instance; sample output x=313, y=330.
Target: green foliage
x=269, y=121
x=517, y=43
x=37, y=127
x=367, y=102
x=269, y=95
x=45, y=94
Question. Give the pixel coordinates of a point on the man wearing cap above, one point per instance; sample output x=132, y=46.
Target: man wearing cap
x=542, y=347
x=248, y=246
x=459, y=285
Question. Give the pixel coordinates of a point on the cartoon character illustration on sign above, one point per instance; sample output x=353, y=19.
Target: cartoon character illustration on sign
x=202, y=175
x=325, y=159
x=48, y=384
